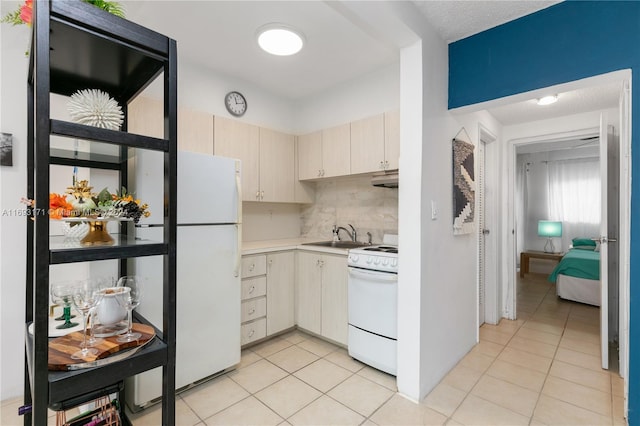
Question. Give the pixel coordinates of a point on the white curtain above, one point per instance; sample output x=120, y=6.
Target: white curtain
x=574, y=197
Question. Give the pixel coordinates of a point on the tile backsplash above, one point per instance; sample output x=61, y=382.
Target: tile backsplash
x=351, y=200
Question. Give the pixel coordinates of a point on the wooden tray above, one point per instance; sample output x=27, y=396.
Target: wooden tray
x=61, y=348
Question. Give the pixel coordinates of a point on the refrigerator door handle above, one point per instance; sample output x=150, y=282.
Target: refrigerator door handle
x=236, y=269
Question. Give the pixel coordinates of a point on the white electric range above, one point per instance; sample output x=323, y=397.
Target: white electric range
x=373, y=304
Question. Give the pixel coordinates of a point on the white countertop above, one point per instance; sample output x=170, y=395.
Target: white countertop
x=257, y=247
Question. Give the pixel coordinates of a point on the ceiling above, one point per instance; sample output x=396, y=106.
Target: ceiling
x=340, y=45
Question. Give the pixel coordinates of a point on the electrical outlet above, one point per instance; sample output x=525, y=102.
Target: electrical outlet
x=434, y=210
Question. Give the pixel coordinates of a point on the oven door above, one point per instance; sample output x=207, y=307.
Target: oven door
x=373, y=301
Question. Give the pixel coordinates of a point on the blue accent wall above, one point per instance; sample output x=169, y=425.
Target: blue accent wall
x=566, y=42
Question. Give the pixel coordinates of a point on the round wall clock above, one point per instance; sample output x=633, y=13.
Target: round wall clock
x=236, y=103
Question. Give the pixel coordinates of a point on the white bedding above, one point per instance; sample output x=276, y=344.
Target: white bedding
x=578, y=289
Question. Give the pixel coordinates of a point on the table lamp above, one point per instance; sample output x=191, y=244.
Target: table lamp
x=549, y=229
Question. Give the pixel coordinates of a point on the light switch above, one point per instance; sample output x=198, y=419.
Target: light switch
x=434, y=210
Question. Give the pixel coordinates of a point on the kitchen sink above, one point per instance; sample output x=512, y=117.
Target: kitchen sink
x=338, y=244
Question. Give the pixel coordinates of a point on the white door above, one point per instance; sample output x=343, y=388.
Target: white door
x=604, y=248
x=487, y=210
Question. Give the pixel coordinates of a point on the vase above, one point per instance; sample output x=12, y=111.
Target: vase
x=110, y=311
x=97, y=235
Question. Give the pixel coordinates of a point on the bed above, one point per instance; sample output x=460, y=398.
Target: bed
x=577, y=276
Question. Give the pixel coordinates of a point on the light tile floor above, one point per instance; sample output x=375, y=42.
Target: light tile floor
x=543, y=369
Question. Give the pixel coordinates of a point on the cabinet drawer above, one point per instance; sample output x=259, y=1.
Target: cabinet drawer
x=253, y=266
x=253, y=309
x=253, y=331
x=254, y=287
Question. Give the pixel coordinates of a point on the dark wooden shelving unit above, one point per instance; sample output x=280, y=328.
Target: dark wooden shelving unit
x=77, y=46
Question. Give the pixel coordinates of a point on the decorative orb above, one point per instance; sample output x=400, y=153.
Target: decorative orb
x=96, y=108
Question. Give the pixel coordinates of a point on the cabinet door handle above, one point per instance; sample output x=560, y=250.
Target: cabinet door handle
x=322, y=172
x=251, y=333
x=257, y=195
x=382, y=164
x=252, y=266
x=253, y=287
x=386, y=164
x=261, y=195
x=252, y=311
x=319, y=173
x=270, y=262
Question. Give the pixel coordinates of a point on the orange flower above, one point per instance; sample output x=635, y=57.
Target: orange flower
x=59, y=206
x=26, y=12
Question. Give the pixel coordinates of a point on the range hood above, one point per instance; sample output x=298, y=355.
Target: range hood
x=386, y=179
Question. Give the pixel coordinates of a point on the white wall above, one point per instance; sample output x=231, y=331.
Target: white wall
x=13, y=186
x=437, y=296
x=371, y=94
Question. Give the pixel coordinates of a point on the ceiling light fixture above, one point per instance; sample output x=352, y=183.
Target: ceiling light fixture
x=548, y=100
x=280, y=39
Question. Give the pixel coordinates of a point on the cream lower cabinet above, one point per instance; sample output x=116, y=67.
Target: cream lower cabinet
x=322, y=295
x=268, y=288
x=280, y=291
x=253, y=307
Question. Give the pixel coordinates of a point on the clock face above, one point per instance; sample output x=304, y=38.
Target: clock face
x=236, y=103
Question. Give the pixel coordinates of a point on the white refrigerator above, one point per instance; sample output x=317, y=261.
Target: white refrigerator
x=208, y=266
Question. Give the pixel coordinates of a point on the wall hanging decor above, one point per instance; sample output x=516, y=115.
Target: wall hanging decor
x=464, y=187
x=6, y=149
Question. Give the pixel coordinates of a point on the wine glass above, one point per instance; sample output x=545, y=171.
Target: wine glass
x=86, y=295
x=62, y=294
x=130, y=300
x=101, y=284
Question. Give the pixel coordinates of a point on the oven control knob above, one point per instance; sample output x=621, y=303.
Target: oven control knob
x=377, y=261
x=394, y=262
x=369, y=259
x=385, y=261
x=354, y=258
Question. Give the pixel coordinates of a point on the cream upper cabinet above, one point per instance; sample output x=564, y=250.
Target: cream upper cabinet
x=325, y=153
x=303, y=192
x=195, y=128
x=392, y=139
x=375, y=143
x=280, y=291
x=309, y=292
x=235, y=139
x=367, y=145
x=322, y=295
x=336, y=152
x=310, y=156
x=145, y=116
x=277, y=157
x=195, y=131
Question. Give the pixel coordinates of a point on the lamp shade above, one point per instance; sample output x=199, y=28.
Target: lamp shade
x=548, y=228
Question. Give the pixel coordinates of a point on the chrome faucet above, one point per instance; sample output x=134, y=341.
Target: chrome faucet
x=353, y=235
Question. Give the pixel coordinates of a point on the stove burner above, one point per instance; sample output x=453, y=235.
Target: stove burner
x=385, y=249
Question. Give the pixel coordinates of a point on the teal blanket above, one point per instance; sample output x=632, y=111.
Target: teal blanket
x=578, y=263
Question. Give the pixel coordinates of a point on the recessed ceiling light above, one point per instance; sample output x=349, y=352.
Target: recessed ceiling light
x=548, y=100
x=280, y=39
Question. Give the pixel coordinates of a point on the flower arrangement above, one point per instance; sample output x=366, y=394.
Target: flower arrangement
x=24, y=14
x=79, y=201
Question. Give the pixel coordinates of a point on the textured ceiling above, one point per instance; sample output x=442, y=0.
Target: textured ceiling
x=572, y=102
x=457, y=19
